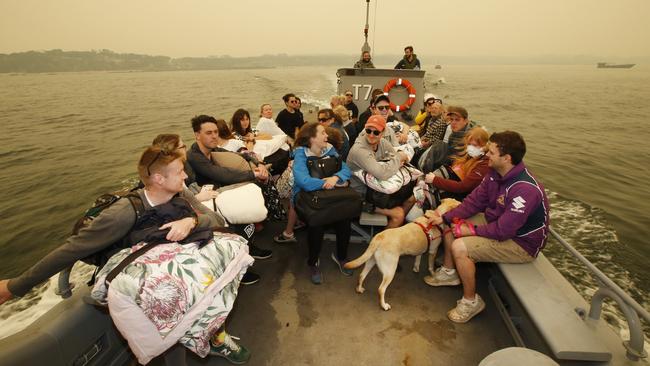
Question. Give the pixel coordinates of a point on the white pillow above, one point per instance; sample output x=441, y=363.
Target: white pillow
x=240, y=203
x=264, y=148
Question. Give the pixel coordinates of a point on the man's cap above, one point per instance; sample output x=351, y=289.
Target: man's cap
x=376, y=121
x=428, y=96
x=460, y=111
x=379, y=98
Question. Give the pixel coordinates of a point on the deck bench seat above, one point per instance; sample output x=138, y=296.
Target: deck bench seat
x=359, y=234
x=551, y=302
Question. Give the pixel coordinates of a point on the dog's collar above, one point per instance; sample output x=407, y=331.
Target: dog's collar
x=427, y=231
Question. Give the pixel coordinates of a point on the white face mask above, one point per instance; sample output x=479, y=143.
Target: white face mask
x=474, y=151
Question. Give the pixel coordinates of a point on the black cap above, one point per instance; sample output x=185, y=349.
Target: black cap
x=379, y=98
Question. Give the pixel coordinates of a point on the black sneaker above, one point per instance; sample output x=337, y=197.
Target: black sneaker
x=250, y=278
x=231, y=351
x=259, y=253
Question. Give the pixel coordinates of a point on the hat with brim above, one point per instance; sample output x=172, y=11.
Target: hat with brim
x=459, y=111
x=429, y=96
x=379, y=98
x=376, y=121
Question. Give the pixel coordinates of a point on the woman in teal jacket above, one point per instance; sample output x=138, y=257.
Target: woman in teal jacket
x=311, y=143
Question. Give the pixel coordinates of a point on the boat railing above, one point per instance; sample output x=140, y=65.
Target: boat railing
x=608, y=289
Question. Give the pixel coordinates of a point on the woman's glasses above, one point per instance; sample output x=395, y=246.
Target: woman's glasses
x=383, y=107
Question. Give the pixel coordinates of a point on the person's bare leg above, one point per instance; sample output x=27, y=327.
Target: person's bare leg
x=448, y=258
x=408, y=204
x=395, y=216
x=292, y=218
x=465, y=267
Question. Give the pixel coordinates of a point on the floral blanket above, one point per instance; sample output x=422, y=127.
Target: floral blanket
x=174, y=293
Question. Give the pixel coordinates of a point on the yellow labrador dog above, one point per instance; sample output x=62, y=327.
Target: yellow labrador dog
x=386, y=248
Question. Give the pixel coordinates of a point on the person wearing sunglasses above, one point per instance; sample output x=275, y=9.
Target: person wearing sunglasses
x=434, y=125
x=329, y=120
x=398, y=133
x=290, y=118
x=161, y=170
x=350, y=105
x=363, y=117
x=375, y=155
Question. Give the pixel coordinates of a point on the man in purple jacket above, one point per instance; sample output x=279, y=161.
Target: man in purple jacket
x=504, y=220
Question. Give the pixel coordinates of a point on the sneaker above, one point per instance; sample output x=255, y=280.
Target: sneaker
x=259, y=253
x=345, y=271
x=442, y=278
x=315, y=274
x=283, y=239
x=250, y=278
x=231, y=351
x=466, y=310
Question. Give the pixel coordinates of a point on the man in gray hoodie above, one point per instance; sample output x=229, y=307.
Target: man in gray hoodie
x=375, y=155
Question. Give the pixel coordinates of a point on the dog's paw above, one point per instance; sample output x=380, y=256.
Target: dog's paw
x=416, y=269
x=385, y=306
x=360, y=290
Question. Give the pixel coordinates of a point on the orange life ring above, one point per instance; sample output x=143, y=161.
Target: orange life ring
x=409, y=87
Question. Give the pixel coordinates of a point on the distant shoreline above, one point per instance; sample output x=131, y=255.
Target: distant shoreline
x=106, y=60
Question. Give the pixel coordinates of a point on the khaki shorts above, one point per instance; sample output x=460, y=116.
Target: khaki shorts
x=480, y=249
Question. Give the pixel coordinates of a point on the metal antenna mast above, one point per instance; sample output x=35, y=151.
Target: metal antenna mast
x=366, y=46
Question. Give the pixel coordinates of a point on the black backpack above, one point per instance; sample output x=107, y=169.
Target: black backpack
x=101, y=203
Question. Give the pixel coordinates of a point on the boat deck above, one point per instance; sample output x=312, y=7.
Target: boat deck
x=286, y=320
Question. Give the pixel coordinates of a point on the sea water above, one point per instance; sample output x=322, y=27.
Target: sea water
x=68, y=137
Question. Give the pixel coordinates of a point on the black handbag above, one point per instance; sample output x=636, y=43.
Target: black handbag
x=385, y=200
x=323, y=167
x=327, y=206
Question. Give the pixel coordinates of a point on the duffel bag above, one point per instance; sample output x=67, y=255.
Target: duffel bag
x=327, y=206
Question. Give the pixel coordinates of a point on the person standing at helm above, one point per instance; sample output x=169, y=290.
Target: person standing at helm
x=410, y=60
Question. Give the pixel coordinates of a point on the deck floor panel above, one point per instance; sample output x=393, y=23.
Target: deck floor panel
x=286, y=320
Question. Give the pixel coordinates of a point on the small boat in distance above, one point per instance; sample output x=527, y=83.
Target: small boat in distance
x=605, y=65
x=438, y=67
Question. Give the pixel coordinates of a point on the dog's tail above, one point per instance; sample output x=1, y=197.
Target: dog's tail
x=374, y=244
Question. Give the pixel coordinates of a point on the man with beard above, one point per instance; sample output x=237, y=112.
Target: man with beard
x=365, y=61
x=504, y=220
x=410, y=60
